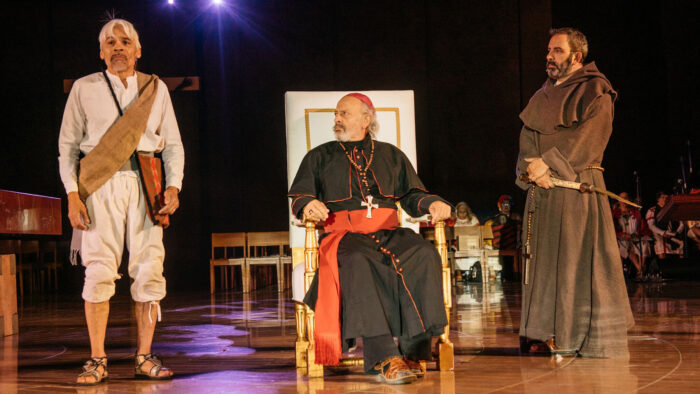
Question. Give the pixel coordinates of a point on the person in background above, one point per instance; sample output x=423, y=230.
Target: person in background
x=464, y=216
x=631, y=233
x=666, y=238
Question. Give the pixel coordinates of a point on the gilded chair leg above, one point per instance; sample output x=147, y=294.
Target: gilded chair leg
x=314, y=370
x=302, y=344
x=446, y=361
x=445, y=350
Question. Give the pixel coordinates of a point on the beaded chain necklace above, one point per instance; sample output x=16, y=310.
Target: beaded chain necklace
x=360, y=170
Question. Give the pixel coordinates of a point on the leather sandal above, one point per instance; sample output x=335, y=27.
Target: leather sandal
x=548, y=347
x=554, y=349
x=91, y=369
x=417, y=367
x=155, y=369
x=394, y=370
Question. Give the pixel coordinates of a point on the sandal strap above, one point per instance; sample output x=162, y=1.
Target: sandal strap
x=154, y=359
x=90, y=368
x=94, y=363
x=92, y=372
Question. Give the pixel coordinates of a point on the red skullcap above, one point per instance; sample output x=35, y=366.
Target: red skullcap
x=503, y=198
x=362, y=98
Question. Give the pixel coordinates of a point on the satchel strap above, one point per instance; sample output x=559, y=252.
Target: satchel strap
x=114, y=96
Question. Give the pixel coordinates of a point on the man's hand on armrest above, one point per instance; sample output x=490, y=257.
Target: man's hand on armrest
x=316, y=211
x=439, y=211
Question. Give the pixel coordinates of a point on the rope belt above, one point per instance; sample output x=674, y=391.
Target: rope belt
x=592, y=167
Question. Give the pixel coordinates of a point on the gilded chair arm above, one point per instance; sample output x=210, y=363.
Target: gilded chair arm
x=310, y=253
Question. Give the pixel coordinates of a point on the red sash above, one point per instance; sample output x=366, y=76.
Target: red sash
x=327, y=330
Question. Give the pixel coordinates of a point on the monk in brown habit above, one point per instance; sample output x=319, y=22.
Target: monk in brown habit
x=375, y=279
x=574, y=295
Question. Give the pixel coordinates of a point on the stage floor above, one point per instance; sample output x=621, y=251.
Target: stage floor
x=232, y=343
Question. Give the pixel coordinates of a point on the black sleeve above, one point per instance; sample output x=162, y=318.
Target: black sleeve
x=414, y=197
x=305, y=186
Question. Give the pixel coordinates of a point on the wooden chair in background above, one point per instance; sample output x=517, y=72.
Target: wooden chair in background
x=27, y=264
x=268, y=248
x=48, y=261
x=230, y=243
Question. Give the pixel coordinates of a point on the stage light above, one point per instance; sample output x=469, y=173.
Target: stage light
x=171, y=2
x=217, y=2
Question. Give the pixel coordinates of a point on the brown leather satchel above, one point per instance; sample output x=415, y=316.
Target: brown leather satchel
x=151, y=172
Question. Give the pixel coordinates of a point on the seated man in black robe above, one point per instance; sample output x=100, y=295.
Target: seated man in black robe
x=375, y=280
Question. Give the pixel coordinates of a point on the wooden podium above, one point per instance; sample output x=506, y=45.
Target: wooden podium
x=680, y=207
x=22, y=215
x=9, y=321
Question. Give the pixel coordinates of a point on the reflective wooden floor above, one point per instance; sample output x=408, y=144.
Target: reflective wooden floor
x=232, y=343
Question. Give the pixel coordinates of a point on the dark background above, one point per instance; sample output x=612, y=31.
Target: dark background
x=472, y=65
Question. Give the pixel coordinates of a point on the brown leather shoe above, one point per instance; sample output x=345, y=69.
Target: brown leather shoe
x=417, y=367
x=394, y=370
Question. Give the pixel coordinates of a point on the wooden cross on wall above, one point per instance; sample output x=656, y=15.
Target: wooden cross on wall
x=173, y=83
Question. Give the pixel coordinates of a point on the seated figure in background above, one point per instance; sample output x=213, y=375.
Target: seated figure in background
x=505, y=225
x=694, y=227
x=694, y=232
x=666, y=240
x=465, y=216
x=631, y=232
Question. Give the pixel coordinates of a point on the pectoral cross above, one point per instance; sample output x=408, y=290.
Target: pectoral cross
x=369, y=206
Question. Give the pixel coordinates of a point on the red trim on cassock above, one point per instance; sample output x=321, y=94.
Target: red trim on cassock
x=327, y=331
x=379, y=187
x=297, y=199
x=421, y=200
x=349, y=187
x=399, y=272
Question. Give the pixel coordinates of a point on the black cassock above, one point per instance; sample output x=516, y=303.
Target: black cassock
x=376, y=304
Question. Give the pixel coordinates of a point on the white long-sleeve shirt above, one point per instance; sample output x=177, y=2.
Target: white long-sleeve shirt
x=91, y=111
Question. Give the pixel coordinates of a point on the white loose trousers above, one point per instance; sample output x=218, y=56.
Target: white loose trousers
x=118, y=212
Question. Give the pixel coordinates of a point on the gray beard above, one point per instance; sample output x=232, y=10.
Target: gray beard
x=341, y=135
x=119, y=66
x=561, y=71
